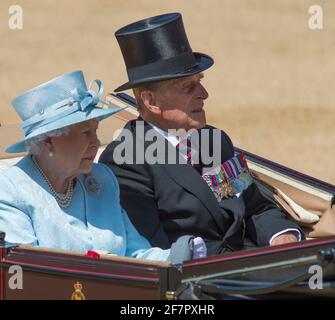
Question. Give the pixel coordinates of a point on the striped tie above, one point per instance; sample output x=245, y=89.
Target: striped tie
x=184, y=147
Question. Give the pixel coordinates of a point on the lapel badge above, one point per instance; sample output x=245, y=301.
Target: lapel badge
x=92, y=185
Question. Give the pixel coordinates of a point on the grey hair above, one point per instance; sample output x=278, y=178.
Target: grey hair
x=33, y=145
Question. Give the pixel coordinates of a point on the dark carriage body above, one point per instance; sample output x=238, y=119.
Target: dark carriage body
x=53, y=274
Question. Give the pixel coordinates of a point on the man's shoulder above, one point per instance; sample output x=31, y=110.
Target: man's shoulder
x=131, y=126
x=217, y=132
x=131, y=129
x=125, y=139
x=212, y=128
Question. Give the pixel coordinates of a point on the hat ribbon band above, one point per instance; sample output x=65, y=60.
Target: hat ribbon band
x=179, y=63
x=79, y=100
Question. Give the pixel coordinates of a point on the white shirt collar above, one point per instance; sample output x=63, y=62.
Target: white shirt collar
x=168, y=136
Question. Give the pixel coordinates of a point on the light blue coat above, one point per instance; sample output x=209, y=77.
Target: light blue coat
x=30, y=214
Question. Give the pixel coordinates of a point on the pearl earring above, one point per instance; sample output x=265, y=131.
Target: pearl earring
x=51, y=154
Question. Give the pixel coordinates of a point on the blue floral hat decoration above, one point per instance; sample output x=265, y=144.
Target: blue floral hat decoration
x=58, y=103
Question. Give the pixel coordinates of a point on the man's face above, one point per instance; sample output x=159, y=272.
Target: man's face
x=181, y=103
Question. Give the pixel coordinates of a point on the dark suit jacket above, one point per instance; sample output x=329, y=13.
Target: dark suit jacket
x=166, y=201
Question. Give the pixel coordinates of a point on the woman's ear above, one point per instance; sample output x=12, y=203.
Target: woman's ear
x=149, y=101
x=48, y=144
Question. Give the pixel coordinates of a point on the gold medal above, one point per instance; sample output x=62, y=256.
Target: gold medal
x=227, y=190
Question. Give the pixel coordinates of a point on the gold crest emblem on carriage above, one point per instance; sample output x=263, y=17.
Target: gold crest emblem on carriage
x=78, y=294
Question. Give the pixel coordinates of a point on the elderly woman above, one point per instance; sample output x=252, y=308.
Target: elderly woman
x=55, y=196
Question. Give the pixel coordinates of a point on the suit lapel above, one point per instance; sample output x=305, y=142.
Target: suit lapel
x=187, y=177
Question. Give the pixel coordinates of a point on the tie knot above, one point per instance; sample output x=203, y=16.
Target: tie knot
x=184, y=147
x=184, y=143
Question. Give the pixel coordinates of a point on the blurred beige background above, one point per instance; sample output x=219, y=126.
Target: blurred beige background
x=271, y=88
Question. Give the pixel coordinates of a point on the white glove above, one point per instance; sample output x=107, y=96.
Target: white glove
x=199, y=248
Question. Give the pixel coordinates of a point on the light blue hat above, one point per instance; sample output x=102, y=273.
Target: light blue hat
x=56, y=104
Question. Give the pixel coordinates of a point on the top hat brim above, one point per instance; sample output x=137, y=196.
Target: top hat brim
x=74, y=118
x=203, y=62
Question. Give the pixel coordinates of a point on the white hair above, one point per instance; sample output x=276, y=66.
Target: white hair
x=34, y=144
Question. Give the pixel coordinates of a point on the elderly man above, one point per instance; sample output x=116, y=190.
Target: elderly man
x=217, y=201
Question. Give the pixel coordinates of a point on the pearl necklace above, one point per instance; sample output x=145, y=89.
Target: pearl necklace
x=62, y=200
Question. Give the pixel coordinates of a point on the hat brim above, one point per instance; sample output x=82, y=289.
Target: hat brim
x=74, y=118
x=203, y=62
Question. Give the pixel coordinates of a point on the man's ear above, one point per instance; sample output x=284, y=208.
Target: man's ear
x=149, y=101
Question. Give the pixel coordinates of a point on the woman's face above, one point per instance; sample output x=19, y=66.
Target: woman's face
x=74, y=152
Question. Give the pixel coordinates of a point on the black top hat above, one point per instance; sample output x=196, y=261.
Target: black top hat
x=157, y=49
